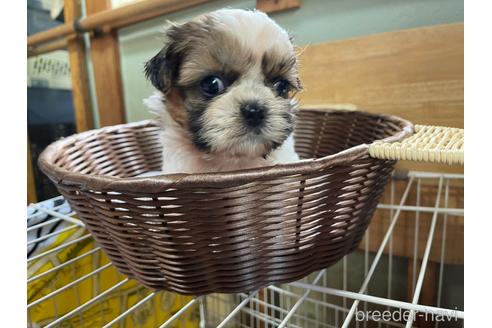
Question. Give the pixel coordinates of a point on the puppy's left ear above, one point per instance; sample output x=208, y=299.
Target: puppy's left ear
x=155, y=70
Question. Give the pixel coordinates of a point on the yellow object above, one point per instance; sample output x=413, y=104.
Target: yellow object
x=150, y=314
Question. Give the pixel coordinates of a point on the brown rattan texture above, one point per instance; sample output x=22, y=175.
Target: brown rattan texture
x=226, y=232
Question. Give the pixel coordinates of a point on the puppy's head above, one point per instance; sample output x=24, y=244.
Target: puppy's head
x=228, y=77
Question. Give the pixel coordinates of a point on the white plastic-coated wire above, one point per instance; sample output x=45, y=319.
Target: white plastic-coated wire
x=334, y=307
x=390, y=245
x=425, y=259
x=284, y=311
x=443, y=249
x=60, y=247
x=58, y=267
x=42, y=224
x=59, y=215
x=416, y=236
x=299, y=302
x=86, y=304
x=129, y=310
x=51, y=201
x=65, y=287
x=366, y=266
x=236, y=310
x=410, y=208
x=375, y=262
x=435, y=175
x=381, y=300
x=177, y=314
x=272, y=299
x=260, y=316
x=54, y=233
x=274, y=321
x=201, y=307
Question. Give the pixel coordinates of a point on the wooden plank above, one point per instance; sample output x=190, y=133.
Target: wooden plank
x=106, y=62
x=126, y=15
x=270, y=6
x=31, y=184
x=48, y=47
x=78, y=69
x=156, y=8
x=416, y=74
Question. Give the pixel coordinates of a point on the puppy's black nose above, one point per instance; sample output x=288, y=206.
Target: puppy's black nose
x=253, y=113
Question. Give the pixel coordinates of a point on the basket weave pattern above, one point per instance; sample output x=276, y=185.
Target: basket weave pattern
x=226, y=232
x=429, y=143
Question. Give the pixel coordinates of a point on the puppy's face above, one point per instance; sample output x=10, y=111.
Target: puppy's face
x=229, y=77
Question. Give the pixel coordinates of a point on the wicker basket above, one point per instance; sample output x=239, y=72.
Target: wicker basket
x=226, y=232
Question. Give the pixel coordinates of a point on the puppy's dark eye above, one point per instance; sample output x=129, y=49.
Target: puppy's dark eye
x=212, y=85
x=281, y=88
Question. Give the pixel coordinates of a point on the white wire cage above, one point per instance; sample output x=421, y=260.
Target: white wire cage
x=407, y=272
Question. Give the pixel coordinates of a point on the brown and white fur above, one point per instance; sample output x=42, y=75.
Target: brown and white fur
x=248, y=58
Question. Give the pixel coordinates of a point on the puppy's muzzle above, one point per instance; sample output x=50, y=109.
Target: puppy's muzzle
x=253, y=113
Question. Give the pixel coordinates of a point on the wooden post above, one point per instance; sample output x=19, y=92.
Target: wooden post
x=78, y=68
x=270, y=6
x=106, y=62
x=31, y=185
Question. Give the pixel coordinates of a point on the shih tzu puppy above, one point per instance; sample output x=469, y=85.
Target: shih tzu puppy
x=225, y=84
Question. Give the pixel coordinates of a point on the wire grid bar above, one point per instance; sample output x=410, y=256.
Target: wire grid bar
x=428, y=246
x=236, y=310
x=299, y=302
x=40, y=225
x=388, y=235
x=67, y=286
x=55, y=233
x=443, y=247
x=274, y=321
x=60, y=266
x=286, y=312
x=59, y=215
x=181, y=311
x=127, y=312
x=380, y=300
x=58, y=248
x=86, y=304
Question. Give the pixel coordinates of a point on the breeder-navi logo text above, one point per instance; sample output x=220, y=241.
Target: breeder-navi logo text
x=405, y=315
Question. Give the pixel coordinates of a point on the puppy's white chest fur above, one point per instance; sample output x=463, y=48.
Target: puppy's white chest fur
x=180, y=155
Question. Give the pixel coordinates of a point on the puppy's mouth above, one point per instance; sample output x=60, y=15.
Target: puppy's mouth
x=258, y=141
x=260, y=146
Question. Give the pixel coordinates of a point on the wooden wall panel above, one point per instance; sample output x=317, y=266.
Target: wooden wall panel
x=416, y=74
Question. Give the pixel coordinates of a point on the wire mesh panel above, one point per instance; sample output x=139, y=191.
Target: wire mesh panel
x=407, y=272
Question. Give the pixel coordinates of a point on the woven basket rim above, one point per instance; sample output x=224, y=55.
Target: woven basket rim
x=160, y=182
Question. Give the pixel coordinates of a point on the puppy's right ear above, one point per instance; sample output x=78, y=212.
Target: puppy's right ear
x=163, y=68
